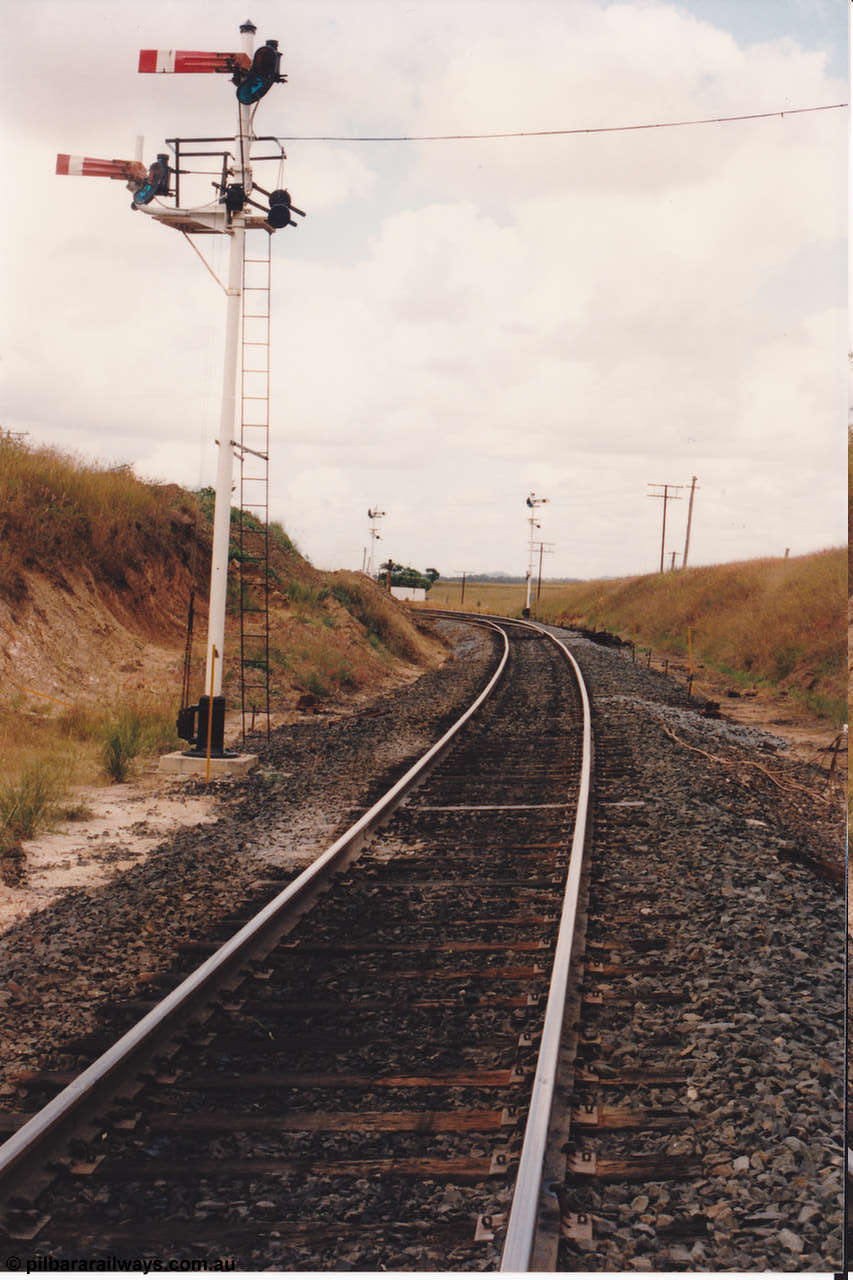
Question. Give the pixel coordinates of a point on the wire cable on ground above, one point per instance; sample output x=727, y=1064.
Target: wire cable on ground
x=735, y=762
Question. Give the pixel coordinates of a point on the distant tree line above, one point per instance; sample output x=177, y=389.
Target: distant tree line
x=406, y=576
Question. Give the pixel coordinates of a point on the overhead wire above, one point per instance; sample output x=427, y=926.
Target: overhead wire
x=552, y=133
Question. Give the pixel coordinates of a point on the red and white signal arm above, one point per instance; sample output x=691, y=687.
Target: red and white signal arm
x=181, y=61
x=89, y=167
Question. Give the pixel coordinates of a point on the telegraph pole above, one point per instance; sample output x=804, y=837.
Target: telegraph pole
x=689, y=521
x=547, y=548
x=667, y=492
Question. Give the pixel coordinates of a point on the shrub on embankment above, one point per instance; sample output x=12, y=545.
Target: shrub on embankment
x=780, y=622
x=383, y=620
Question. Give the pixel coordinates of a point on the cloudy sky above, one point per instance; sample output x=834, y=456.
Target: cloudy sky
x=458, y=323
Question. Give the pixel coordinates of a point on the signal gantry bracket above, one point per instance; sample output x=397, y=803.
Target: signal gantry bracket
x=253, y=76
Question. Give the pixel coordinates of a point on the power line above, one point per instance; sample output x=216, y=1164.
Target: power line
x=550, y=133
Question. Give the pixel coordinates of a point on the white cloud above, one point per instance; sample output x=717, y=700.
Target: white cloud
x=334, y=177
x=456, y=323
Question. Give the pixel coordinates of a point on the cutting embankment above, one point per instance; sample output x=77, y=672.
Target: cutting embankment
x=777, y=622
x=97, y=569
x=774, y=624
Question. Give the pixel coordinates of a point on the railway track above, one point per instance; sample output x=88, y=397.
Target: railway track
x=346, y=1080
x=848, y=1151
x=367, y=1086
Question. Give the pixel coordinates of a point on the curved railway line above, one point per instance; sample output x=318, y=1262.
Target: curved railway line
x=369, y=1063
x=479, y=1032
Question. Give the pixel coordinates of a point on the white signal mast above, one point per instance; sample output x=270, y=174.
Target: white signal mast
x=254, y=72
x=374, y=515
x=533, y=503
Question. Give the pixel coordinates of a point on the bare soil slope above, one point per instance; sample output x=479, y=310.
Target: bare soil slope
x=97, y=568
x=80, y=642
x=97, y=573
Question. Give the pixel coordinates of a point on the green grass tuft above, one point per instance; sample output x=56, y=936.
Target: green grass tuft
x=122, y=744
x=26, y=805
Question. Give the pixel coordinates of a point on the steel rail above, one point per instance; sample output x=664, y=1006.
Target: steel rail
x=76, y=1101
x=520, y=1237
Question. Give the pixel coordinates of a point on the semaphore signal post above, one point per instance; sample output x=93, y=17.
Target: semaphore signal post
x=234, y=209
x=533, y=504
x=374, y=515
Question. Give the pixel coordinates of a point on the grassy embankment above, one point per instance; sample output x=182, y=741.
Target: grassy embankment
x=93, y=559
x=849, y=580
x=58, y=519
x=779, y=623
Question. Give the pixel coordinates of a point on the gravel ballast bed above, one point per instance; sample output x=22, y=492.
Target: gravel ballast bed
x=758, y=947
x=315, y=777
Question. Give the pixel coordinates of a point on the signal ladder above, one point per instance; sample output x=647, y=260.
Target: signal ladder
x=254, y=449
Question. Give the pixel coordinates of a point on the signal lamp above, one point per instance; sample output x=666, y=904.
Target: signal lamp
x=157, y=182
x=262, y=74
x=279, y=214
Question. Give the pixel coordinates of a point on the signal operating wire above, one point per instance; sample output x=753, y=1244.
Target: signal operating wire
x=551, y=133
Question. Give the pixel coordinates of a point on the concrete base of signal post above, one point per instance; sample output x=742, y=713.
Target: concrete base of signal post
x=191, y=765
x=208, y=757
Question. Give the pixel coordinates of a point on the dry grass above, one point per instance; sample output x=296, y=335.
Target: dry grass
x=333, y=634
x=64, y=523
x=849, y=507
x=777, y=622
x=31, y=735
x=57, y=513
x=45, y=752
x=61, y=517
x=382, y=618
x=506, y=599
x=849, y=580
x=27, y=805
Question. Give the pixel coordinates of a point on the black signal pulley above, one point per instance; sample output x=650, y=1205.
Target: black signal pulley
x=281, y=208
